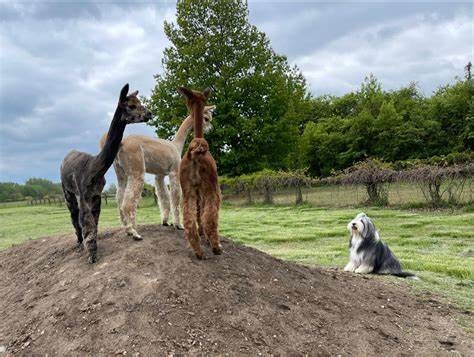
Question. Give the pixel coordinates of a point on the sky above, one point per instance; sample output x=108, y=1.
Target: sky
x=62, y=64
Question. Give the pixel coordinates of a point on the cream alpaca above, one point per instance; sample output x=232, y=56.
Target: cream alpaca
x=139, y=154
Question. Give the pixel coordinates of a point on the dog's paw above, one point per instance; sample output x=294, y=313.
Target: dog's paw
x=363, y=270
x=179, y=227
x=92, y=259
x=349, y=267
x=217, y=251
x=165, y=223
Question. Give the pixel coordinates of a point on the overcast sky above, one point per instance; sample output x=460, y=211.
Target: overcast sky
x=62, y=64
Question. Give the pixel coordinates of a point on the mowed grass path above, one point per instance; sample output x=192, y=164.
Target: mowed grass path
x=438, y=246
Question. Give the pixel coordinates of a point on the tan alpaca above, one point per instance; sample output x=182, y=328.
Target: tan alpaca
x=199, y=181
x=139, y=154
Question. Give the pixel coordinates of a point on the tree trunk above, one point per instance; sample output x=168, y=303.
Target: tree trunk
x=299, y=195
x=249, y=197
x=268, y=195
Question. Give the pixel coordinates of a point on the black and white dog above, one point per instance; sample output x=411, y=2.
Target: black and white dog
x=367, y=253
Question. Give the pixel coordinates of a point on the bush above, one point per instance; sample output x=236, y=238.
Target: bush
x=440, y=185
x=296, y=179
x=374, y=174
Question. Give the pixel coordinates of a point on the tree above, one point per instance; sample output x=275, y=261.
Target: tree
x=261, y=101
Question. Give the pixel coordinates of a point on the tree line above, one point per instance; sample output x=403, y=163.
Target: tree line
x=266, y=117
x=33, y=188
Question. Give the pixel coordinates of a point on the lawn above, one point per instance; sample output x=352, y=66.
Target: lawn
x=437, y=245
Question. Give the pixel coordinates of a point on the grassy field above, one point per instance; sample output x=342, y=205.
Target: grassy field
x=436, y=245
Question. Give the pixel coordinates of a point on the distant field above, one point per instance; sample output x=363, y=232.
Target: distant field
x=439, y=246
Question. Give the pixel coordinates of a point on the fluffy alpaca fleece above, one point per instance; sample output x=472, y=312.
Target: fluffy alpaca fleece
x=82, y=175
x=141, y=154
x=199, y=181
x=367, y=252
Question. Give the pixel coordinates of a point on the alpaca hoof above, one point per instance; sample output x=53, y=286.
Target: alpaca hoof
x=134, y=234
x=79, y=247
x=92, y=259
x=217, y=251
x=166, y=224
x=179, y=227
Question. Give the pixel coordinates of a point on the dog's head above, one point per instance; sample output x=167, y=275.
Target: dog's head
x=362, y=226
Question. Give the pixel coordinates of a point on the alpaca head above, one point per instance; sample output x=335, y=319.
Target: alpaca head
x=194, y=97
x=208, y=111
x=133, y=110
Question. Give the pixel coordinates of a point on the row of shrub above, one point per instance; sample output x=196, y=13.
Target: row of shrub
x=441, y=181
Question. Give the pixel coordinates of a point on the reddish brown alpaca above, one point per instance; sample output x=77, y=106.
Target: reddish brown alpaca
x=198, y=178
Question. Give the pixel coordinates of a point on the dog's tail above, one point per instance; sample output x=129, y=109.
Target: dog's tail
x=404, y=274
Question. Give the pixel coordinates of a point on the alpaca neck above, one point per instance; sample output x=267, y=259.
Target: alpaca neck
x=107, y=155
x=182, y=133
x=198, y=117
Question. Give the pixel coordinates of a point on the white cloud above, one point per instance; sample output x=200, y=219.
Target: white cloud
x=60, y=79
x=419, y=48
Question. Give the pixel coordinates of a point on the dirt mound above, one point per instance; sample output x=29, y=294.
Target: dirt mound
x=153, y=296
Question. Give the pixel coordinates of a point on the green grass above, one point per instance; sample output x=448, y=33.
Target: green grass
x=437, y=245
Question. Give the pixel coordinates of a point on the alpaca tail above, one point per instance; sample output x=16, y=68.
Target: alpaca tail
x=198, y=146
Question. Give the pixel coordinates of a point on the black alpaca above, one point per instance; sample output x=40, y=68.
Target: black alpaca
x=82, y=175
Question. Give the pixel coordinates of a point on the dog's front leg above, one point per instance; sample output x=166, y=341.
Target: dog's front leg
x=350, y=266
x=364, y=269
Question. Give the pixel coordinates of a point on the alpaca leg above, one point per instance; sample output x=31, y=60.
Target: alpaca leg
x=129, y=205
x=190, y=225
x=175, y=198
x=210, y=221
x=121, y=185
x=89, y=229
x=162, y=193
x=96, y=203
x=200, y=212
x=73, y=207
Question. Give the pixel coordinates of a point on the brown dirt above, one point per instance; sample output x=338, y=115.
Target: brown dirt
x=153, y=296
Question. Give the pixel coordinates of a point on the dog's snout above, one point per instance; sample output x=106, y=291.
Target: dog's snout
x=354, y=225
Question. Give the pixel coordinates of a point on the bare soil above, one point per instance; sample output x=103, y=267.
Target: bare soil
x=153, y=297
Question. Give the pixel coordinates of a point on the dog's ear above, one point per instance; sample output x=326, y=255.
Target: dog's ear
x=124, y=92
x=369, y=228
x=188, y=93
x=207, y=92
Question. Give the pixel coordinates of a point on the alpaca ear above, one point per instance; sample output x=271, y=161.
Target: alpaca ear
x=207, y=92
x=210, y=108
x=124, y=92
x=188, y=93
x=134, y=93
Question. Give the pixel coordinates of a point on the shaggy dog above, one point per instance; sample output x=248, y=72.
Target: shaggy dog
x=367, y=253
x=199, y=181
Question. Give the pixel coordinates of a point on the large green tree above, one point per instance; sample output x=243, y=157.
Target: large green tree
x=262, y=102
